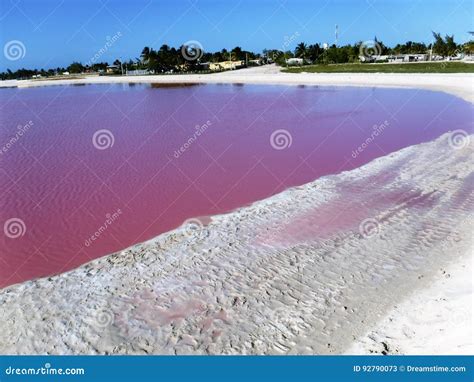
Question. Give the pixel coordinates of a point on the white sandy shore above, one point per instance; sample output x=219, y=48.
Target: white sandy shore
x=279, y=276
x=435, y=320
x=461, y=84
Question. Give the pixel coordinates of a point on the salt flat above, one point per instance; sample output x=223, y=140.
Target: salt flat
x=313, y=269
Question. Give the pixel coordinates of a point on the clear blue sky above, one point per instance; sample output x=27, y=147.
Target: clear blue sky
x=57, y=32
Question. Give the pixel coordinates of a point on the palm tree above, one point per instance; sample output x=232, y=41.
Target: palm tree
x=145, y=54
x=301, y=50
x=439, y=46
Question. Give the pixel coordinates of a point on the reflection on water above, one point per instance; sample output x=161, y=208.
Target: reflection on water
x=160, y=85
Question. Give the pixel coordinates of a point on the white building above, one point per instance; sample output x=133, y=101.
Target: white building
x=137, y=72
x=408, y=57
x=395, y=58
x=294, y=61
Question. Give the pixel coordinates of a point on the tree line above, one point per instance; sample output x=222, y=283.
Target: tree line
x=190, y=58
x=320, y=54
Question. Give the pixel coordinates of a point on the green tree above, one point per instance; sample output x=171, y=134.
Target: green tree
x=301, y=50
x=439, y=46
x=145, y=55
x=75, y=67
x=451, y=46
x=314, y=52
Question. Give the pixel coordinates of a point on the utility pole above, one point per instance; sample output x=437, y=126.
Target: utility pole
x=336, y=32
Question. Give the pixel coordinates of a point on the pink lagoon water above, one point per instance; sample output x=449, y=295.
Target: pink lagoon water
x=142, y=159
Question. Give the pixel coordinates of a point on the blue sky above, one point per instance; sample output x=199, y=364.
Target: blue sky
x=57, y=32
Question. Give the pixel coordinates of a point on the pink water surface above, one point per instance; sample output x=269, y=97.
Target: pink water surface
x=62, y=187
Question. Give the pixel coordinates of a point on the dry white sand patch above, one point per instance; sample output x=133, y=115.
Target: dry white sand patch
x=436, y=320
x=459, y=84
x=309, y=270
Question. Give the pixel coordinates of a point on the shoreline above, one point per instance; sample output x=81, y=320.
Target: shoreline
x=258, y=280
x=458, y=84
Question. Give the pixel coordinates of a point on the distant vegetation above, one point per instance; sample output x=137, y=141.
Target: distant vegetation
x=187, y=58
x=422, y=67
x=164, y=60
x=318, y=57
x=318, y=54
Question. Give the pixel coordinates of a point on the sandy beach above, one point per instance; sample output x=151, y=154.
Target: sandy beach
x=434, y=320
x=460, y=84
x=280, y=276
